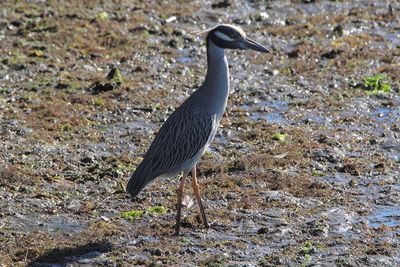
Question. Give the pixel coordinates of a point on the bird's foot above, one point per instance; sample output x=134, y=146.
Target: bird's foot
x=177, y=230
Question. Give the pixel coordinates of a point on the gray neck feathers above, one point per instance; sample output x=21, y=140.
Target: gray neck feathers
x=216, y=83
x=217, y=69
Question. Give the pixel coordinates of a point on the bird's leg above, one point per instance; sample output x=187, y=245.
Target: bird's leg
x=179, y=204
x=196, y=191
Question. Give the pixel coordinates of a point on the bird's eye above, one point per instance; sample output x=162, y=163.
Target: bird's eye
x=236, y=36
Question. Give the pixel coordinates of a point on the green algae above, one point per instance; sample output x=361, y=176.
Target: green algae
x=375, y=84
x=279, y=137
x=132, y=215
x=156, y=210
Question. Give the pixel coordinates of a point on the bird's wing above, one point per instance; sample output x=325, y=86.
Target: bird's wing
x=180, y=138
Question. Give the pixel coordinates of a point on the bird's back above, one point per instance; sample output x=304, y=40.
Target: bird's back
x=180, y=139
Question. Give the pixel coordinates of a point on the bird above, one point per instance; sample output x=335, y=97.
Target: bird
x=188, y=131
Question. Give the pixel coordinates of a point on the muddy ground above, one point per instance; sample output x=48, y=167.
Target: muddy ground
x=303, y=171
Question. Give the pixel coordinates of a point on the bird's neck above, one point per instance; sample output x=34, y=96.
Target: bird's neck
x=217, y=69
x=216, y=83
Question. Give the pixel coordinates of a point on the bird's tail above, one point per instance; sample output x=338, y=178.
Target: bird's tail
x=138, y=181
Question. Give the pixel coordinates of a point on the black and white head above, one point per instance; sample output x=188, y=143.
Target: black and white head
x=232, y=37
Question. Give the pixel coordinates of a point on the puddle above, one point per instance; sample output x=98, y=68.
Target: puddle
x=101, y=149
x=272, y=111
x=62, y=225
x=126, y=128
x=340, y=221
x=86, y=258
x=184, y=56
x=54, y=225
x=117, y=137
x=313, y=117
x=337, y=179
x=385, y=215
x=385, y=114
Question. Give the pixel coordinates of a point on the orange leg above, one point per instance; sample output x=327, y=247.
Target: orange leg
x=196, y=191
x=179, y=204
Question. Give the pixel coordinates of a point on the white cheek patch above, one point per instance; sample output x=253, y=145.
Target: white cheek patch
x=223, y=36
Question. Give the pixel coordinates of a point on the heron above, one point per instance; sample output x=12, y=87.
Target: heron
x=188, y=131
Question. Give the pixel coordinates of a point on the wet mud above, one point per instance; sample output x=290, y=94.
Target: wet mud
x=304, y=170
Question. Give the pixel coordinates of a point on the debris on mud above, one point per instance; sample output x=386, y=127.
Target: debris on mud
x=113, y=80
x=303, y=171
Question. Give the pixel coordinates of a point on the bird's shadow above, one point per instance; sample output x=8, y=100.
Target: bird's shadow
x=64, y=256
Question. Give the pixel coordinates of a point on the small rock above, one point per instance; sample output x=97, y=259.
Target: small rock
x=172, y=43
x=380, y=165
x=331, y=54
x=114, y=76
x=231, y=195
x=222, y=4
x=17, y=23
x=294, y=53
x=102, y=87
x=330, y=155
x=187, y=201
x=338, y=30
x=264, y=15
x=138, y=69
x=353, y=183
x=263, y=230
x=156, y=252
x=87, y=160
x=25, y=131
x=61, y=85
x=89, y=68
x=190, y=251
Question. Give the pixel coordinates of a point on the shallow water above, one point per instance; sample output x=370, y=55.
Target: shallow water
x=385, y=216
x=272, y=111
x=60, y=224
x=328, y=195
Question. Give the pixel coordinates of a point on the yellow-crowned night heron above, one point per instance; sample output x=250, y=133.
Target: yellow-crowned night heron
x=185, y=135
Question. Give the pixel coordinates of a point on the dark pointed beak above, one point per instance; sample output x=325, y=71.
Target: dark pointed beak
x=253, y=45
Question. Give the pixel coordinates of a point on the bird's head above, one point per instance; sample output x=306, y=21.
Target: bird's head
x=232, y=37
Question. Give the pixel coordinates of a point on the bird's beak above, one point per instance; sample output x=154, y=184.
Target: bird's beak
x=250, y=44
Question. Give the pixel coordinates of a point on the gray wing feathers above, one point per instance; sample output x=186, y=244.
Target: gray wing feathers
x=181, y=137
